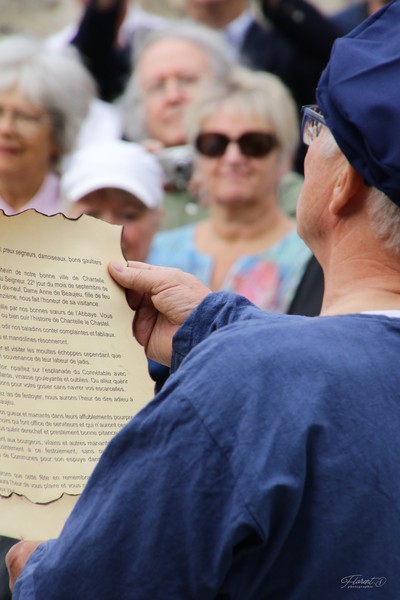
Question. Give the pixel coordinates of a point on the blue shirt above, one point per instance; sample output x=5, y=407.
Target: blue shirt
x=269, y=278
x=266, y=469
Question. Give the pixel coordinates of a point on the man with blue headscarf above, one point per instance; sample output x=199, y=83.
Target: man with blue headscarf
x=268, y=466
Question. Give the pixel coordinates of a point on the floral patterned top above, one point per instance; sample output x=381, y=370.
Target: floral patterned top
x=269, y=279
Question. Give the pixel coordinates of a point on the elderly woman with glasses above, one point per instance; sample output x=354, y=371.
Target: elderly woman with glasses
x=245, y=133
x=172, y=66
x=44, y=100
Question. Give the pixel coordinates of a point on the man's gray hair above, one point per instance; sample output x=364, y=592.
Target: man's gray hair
x=385, y=220
x=221, y=58
x=384, y=214
x=57, y=81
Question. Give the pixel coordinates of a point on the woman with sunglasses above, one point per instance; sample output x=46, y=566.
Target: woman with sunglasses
x=245, y=133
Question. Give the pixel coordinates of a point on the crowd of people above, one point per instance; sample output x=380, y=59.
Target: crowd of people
x=244, y=131
x=187, y=133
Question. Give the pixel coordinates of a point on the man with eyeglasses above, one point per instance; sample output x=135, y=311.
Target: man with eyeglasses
x=268, y=467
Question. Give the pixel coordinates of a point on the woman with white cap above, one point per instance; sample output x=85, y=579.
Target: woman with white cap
x=122, y=183
x=119, y=182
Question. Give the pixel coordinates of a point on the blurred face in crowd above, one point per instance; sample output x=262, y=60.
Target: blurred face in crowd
x=170, y=74
x=234, y=178
x=119, y=207
x=26, y=138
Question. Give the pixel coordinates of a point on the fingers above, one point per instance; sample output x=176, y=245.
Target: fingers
x=128, y=280
x=144, y=278
x=134, y=264
x=171, y=292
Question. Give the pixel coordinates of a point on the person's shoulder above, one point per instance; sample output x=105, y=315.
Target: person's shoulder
x=281, y=368
x=247, y=369
x=279, y=362
x=271, y=342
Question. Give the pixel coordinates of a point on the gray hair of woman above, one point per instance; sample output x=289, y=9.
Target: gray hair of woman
x=257, y=93
x=55, y=80
x=220, y=55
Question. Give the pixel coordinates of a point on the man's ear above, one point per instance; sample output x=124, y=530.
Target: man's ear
x=348, y=185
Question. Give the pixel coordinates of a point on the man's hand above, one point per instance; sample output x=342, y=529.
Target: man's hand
x=16, y=558
x=162, y=298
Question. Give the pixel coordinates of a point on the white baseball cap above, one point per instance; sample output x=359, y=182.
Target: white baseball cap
x=113, y=164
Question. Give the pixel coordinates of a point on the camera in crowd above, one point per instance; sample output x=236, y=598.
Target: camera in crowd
x=177, y=164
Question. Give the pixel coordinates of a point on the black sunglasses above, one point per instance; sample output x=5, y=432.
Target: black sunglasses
x=253, y=144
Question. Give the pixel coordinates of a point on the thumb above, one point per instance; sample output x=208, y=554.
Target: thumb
x=142, y=279
x=171, y=291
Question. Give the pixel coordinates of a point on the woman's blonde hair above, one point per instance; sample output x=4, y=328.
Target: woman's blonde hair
x=257, y=93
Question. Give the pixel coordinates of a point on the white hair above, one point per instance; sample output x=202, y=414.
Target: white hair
x=385, y=220
x=384, y=214
x=55, y=80
x=220, y=56
x=252, y=92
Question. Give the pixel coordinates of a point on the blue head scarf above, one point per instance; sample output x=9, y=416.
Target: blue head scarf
x=359, y=96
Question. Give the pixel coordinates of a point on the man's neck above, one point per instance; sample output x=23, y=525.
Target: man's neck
x=362, y=285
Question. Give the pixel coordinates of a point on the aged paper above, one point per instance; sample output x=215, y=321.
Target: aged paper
x=71, y=373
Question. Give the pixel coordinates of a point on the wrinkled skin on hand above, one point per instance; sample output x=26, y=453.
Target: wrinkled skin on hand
x=162, y=298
